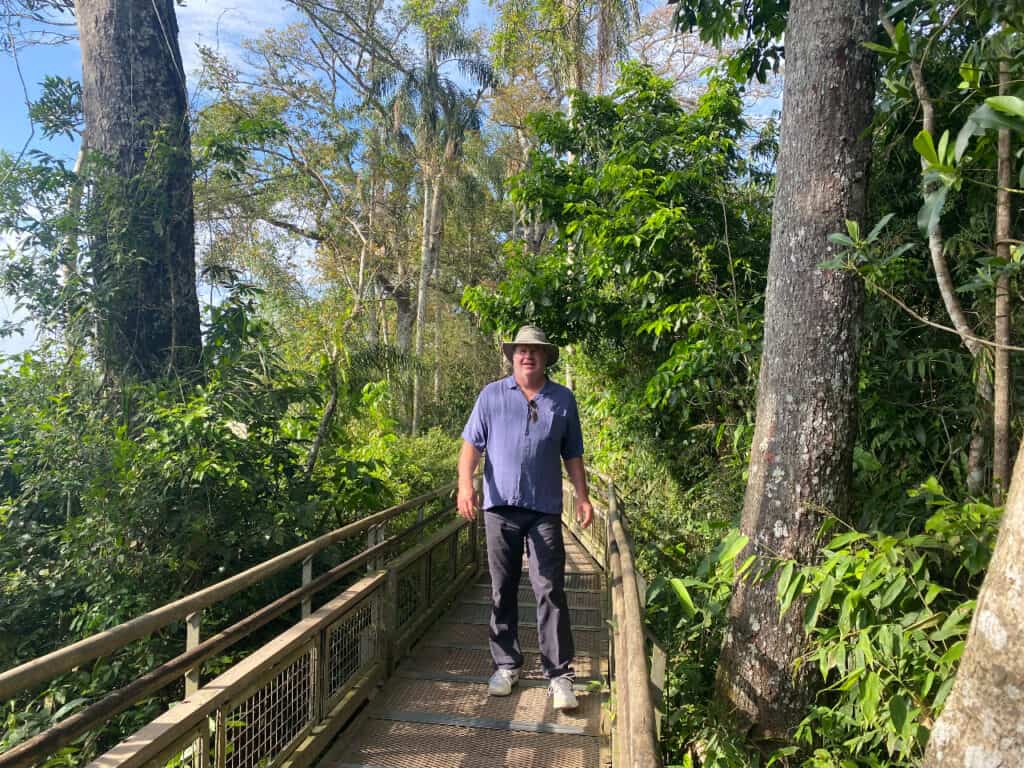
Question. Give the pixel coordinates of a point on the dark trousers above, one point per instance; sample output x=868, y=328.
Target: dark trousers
x=508, y=529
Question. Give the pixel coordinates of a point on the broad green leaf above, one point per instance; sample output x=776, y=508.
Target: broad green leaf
x=956, y=623
x=684, y=597
x=850, y=679
x=870, y=692
x=846, y=612
x=943, y=692
x=925, y=147
x=901, y=39
x=931, y=211
x=733, y=545
x=884, y=639
x=894, y=591
x=877, y=229
x=845, y=538
x=784, y=579
x=1010, y=105
x=953, y=654
x=943, y=144
x=898, y=712
x=964, y=137
x=819, y=601
x=795, y=588
x=881, y=50
x=746, y=566
x=840, y=239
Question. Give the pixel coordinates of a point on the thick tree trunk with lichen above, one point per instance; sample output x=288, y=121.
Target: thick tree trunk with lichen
x=981, y=722
x=141, y=225
x=1003, y=379
x=800, y=462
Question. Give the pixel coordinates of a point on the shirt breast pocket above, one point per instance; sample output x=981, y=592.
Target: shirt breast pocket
x=556, y=419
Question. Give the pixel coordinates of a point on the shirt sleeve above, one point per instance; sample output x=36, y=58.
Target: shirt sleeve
x=572, y=439
x=475, y=431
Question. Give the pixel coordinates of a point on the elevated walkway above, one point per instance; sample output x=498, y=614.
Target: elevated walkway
x=383, y=661
x=435, y=712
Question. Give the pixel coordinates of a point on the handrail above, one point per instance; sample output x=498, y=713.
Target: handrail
x=342, y=652
x=25, y=753
x=635, y=736
x=641, y=738
x=303, y=686
x=101, y=644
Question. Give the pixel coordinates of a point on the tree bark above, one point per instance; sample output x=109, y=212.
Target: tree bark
x=801, y=458
x=372, y=314
x=404, y=316
x=437, y=354
x=141, y=221
x=980, y=724
x=433, y=211
x=1001, y=404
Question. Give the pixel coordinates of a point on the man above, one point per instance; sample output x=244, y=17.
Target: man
x=526, y=423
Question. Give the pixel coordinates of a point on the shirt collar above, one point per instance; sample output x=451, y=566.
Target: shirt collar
x=512, y=383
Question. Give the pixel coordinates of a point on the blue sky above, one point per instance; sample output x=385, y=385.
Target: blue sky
x=220, y=24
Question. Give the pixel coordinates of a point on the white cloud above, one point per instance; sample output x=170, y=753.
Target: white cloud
x=224, y=24
x=9, y=312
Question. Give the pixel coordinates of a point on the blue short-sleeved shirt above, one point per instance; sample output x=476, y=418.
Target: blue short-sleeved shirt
x=522, y=466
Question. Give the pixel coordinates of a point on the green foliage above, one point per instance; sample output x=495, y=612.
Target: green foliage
x=759, y=23
x=693, y=611
x=659, y=246
x=115, y=501
x=887, y=615
x=58, y=110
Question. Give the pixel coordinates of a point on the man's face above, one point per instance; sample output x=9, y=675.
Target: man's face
x=529, y=359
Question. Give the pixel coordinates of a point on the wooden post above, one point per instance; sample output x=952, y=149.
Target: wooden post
x=453, y=556
x=390, y=621
x=307, y=577
x=424, y=577
x=221, y=736
x=192, y=634
x=617, y=658
x=644, y=750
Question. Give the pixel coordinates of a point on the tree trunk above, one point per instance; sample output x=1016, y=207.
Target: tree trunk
x=980, y=724
x=437, y=354
x=372, y=312
x=404, y=316
x=1003, y=383
x=433, y=210
x=976, y=454
x=801, y=459
x=141, y=220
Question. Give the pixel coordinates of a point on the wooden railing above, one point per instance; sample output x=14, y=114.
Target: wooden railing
x=331, y=659
x=634, y=729
x=284, y=703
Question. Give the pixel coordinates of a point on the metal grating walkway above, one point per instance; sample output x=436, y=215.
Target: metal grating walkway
x=434, y=712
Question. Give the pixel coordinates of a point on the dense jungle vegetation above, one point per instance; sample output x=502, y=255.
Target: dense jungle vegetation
x=261, y=305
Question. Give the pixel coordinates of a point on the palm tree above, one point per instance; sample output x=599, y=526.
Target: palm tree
x=445, y=111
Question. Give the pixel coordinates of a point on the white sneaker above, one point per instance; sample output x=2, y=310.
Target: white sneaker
x=561, y=693
x=501, y=681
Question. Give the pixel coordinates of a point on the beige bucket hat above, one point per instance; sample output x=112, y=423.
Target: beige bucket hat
x=531, y=334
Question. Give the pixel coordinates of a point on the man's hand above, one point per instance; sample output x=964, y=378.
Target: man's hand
x=467, y=502
x=584, y=512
